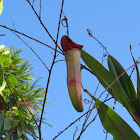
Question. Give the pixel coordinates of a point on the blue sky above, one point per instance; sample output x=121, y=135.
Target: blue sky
x=114, y=23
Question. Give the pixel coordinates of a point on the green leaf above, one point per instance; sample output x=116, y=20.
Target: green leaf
x=20, y=92
x=138, y=84
x=116, y=69
x=2, y=47
x=1, y=6
x=19, y=132
x=106, y=78
x=2, y=83
x=5, y=52
x=138, y=92
x=47, y=123
x=1, y=121
x=7, y=62
x=12, y=80
x=7, y=123
x=113, y=123
x=27, y=89
x=1, y=60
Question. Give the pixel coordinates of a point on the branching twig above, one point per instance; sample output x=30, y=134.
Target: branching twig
x=32, y=51
x=43, y=24
x=88, y=114
x=28, y=37
x=83, y=129
x=76, y=121
x=134, y=61
x=109, y=86
x=84, y=67
x=48, y=81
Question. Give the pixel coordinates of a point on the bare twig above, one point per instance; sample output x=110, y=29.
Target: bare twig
x=40, y=10
x=88, y=114
x=43, y=24
x=28, y=37
x=48, y=81
x=106, y=135
x=84, y=67
x=75, y=132
x=83, y=129
x=32, y=51
x=76, y=121
x=91, y=35
x=98, y=99
x=109, y=86
x=134, y=61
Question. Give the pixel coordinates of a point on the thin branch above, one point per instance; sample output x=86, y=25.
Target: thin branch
x=70, y=125
x=84, y=67
x=40, y=10
x=134, y=61
x=76, y=121
x=85, y=129
x=75, y=132
x=53, y=62
x=106, y=135
x=94, y=117
x=28, y=37
x=88, y=114
x=43, y=24
x=91, y=35
x=109, y=86
x=32, y=51
x=59, y=61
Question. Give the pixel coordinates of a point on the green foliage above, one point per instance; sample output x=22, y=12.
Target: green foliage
x=106, y=78
x=1, y=6
x=20, y=96
x=130, y=91
x=113, y=123
x=119, y=85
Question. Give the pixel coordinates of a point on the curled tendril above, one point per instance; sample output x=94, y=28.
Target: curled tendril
x=87, y=101
x=66, y=21
x=89, y=32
